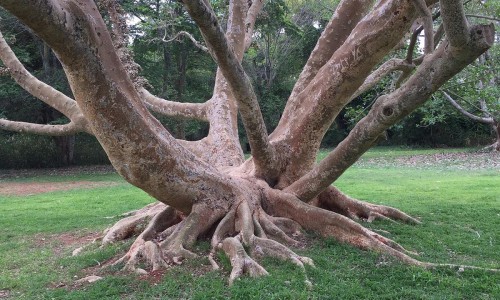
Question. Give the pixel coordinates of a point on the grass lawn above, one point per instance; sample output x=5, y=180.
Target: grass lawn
x=459, y=209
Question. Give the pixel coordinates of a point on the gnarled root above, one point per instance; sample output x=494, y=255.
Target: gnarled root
x=164, y=240
x=240, y=261
x=260, y=223
x=330, y=224
x=334, y=200
x=145, y=246
x=255, y=229
x=130, y=225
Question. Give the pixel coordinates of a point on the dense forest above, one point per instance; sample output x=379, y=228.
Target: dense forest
x=175, y=64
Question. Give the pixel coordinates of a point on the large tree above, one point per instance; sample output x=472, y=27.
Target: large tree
x=253, y=207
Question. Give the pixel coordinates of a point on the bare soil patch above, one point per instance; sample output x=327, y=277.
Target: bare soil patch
x=66, y=171
x=32, y=188
x=474, y=161
x=4, y=294
x=62, y=242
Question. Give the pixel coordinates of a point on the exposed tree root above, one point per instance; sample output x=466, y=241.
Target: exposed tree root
x=166, y=238
x=240, y=261
x=255, y=230
x=336, y=201
x=257, y=227
x=493, y=147
x=330, y=224
x=145, y=246
x=130, y=225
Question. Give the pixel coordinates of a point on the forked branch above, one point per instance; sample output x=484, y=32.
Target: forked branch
x=347, y=15
x=436, y=69
x=44, y=92
x=426, y=17
x=413, y=39
x=462, y=110
x=262, y=151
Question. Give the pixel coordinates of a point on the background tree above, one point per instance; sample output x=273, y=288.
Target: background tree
x=437, y=123
x=475, y=94
x=20, y=105
x=254, y=206
x=164, y=35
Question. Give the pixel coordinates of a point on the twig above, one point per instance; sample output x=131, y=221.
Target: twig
x=189, y=36
x=483, y=17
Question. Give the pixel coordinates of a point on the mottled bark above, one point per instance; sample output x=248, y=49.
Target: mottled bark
x=241, y=87
x=254, y=208
x=303, y=126
x=434, y=71
x=346, y=17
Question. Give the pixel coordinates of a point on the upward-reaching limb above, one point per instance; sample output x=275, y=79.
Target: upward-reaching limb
x=241, y=87
x=44, y=92
x=304, y=126
x=455, y=23
x=435, y=70
x=347, y=15
x=485, y=120
x=252, y=13
x=426, y=16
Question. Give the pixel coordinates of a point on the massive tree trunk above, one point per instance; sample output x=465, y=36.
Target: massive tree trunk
x=255, y=207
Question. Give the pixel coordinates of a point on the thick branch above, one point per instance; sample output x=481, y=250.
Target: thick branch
x=239, y=82
x=347, y=15
x=393, y=64
x=252, y=14
x=120, y=40
x=35, y=87
x=197, y=111
x=42, y=129
x=465, y=112
x=436, y=69
x=426, y=16
x=455, y=22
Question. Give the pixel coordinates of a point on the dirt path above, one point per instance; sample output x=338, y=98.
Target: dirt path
x=454, y=161
x=32, y=188
x=473, y=161
x=79, y=170
x=9, y=188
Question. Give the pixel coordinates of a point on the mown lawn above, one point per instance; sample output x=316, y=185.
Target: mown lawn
x=459, y=209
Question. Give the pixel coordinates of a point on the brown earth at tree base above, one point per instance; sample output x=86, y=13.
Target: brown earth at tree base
x=32, y=188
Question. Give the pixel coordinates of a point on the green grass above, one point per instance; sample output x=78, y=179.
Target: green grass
x=460, y=211
x=397, y=151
